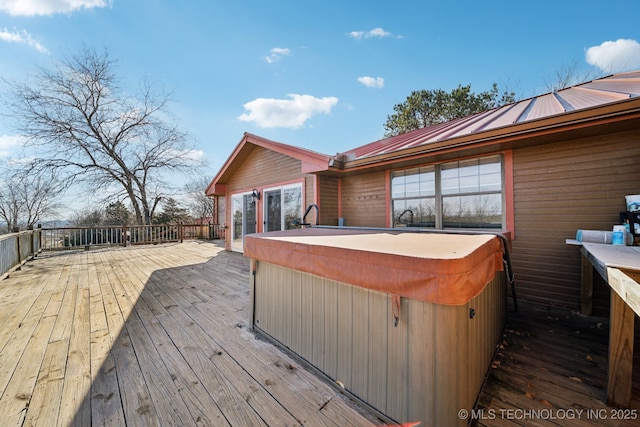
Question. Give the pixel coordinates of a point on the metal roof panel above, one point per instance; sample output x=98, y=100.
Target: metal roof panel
x=614, y=88
x=581, y=97
x=545, y=105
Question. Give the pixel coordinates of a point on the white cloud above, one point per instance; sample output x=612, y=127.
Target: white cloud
x=48, y=7
x=376, y=32
x=615, y=56
x=9, y=144
x=21, y=37
x=286, y=113
x=376, y=82
x=276, y=54
x=195, y=155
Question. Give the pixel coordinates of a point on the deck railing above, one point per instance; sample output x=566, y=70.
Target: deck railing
x=16, y=248
x=123, y=235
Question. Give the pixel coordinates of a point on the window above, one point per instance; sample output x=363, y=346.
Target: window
x=462, y=194
x=413, y=194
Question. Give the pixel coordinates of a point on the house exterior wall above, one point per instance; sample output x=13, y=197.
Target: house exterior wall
x=364, y=200
x=559, y=189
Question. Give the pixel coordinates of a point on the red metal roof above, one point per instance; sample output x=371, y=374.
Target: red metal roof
x=610, y=89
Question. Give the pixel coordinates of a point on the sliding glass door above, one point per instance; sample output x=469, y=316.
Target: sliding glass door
x=282, y=207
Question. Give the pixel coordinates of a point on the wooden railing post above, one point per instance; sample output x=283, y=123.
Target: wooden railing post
x=124, y=234
x=31, y=241
x=39, y=248
x=17, y=231
x=180, y=231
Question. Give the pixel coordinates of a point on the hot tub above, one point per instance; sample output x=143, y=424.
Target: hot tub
x=408, y=322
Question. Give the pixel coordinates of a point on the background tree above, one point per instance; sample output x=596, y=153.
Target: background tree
x=429, y=107
x=172, y=213
x=27, y=199
x=570, y=74
x=86, y=128
x=88, y=218
x=116, y=213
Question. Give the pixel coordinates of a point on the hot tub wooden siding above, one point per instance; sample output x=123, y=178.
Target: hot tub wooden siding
x=426, y=369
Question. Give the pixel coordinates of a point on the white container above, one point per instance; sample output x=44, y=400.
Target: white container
x=618, y=235
x=633, y=203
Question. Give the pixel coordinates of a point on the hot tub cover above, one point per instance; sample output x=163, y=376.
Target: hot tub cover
x=439, y=268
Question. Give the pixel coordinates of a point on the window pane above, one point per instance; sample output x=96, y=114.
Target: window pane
x=475, y=211
x=397, y=184
x=273, y=210
x=413, y=183
x=490, y=164
x=490, y=182
x=472, y=176
x=468, y=184
x=468, y=168
x=427, y=181
x=236, y=216
x=414, y=213
x=292, y=206
x=397, y=190
x=450, y=185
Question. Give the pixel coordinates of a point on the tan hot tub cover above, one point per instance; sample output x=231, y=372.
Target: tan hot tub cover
x=438, y=268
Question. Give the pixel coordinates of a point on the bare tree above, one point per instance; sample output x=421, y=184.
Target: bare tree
x=200, y=205
x=27, y=199
x=569, y=74
x=86, y=128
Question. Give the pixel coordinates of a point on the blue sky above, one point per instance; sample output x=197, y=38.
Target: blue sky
x=323, y=75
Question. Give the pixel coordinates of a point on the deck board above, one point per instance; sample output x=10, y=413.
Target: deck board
x=149, y=335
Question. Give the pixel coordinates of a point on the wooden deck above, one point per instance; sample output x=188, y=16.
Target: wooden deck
x=551, y=370
x=158, y=335
x=149, y=335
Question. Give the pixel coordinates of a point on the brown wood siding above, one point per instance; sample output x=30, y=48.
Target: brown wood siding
x=263, y=167
x=328, y=200
x=364, y=200
x=309, y=197
x=427, y=368
x=559, y=189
